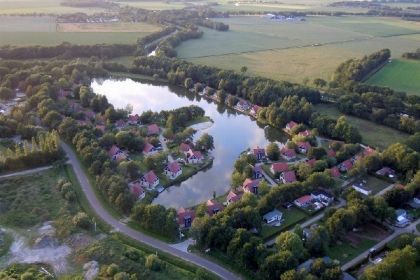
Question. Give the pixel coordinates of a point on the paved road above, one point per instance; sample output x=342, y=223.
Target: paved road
x=118, y=226
x=379, y=245
x=26, y=172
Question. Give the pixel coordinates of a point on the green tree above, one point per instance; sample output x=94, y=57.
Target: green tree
x=273, y=151
x=291, y=242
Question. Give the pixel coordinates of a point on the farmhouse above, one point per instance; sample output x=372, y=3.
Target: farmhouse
x=251, y=186
x=288, y=154
x=149, y=149
x=153, y=129
x=195, y=157
x=279, y=167
x=303, y=201
x=149, y=180
x=213, y=207
x=272, y=217
x=233, y=197
x=185, y=217
x=303, y=147
x=288, y=177
x=290, y=126
x=361, y=188
x=386, y=171
x=259, y=153
x=137, y=190
x=323, y=197
x=173, y=170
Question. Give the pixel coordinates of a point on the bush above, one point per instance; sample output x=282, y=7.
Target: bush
x=82, y=220
x=153, y=263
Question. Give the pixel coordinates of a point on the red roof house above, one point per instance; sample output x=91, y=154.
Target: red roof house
x=137, y=190
x=149, y=180
x=153, y=129
x=133, y=119
x=184, y=148
x=290, y=126
x=194, y=157
x=279, y=167
x=259, y=153
x=288, y=177
x=288, y=154
x=148, y=149
x=345, y=165
x=335, y=172
x=303, y=201
x=305, y=133
x=185, y=217
x=311, y=162
x=213, y=207
x=254, y=110
x=232, y=197
x=113, y=151
x=303, y=147
x=173, y=170
x=331, y=153
x=251, y=186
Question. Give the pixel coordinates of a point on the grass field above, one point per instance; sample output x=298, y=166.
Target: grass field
x=40, y=6
x=297, y=50
x=400, y=74
x=21, y=31
x=291, y=217
x=346, y=251
x=373, y=134
x=154, y=5
x=375, y=184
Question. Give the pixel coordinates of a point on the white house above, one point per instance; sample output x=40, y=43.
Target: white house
x=149, y=180
x=323, y=197
x=173, y=170
x=274, y=216
x=194, y=157
x=361, y=188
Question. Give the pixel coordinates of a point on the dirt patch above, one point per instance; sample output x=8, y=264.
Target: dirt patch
x=353, y=238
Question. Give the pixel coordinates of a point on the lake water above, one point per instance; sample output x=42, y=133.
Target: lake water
x=233, y=133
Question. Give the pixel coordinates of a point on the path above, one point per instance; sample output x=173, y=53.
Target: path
x=266, y=176
x=118, y=226
x=27, y=172
x=165, y=147
x=380, y=245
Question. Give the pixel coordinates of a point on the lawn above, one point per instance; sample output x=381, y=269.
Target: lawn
x=346, y=251
x=297, y=50
x=375, y=184
x=291, y=217
x=400, y=74
x=154, y=5
x=40, y=6
x=373, y=134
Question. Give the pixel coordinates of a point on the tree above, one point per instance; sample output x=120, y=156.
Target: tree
x=82, y=220
x=205, y=143
x=188, y=83
x=129, y=169
x=273, y=151
x=68, y=128
x=275, y=265
x=244, y=69
x=153, y=263
x=6, y=93
x=320, y=82
x=52, y=119
x=291, y=242
x=316, y=152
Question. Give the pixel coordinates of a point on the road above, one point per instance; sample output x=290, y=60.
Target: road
x=268, y=178
x=26, y=172
x=379, y=245
x=119, y=226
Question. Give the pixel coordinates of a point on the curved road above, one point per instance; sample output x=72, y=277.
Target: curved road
x=118, y=226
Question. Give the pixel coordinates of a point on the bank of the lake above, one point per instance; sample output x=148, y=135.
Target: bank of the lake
x=233, y=133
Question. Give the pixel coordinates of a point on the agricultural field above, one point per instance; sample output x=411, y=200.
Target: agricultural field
x=154, y=5
x=23, y=31
x=399, y=74
x=9, y=7
x=373, y=134
x=299, y=49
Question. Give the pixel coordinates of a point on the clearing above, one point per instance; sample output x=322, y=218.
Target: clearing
x=399, y=74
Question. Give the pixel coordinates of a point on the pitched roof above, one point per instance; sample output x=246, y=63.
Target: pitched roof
x=184, y=147
x=232, y=197
x=304, y=199
x=133, y=118
x=150, y=177
x=331, y=153
x=305, y=133
x=258, y=151
x=153, y=129
x=288, y=152
x=213, y=205
x=311, y=162
x=185, y=214
x=196, y=154
x=385, y=171
x=147, y=148
x=347, y=164
x=304, y=145
x=289, y=176
x=114, y=150
x=136, y=189
x=368, y=151
x=280, y=167
x=100, y=127
x=120, y=123
x=249, y=184
x=290, y=125
x=335, y=172
x=173, y=167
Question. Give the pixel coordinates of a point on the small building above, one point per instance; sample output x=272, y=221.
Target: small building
x=243, y=105
x=133, y=119
x=149, y=180
x=386, y=172
x=288, y=177
x=251, y=186
x=195, y=157
x=137, y=190
x=233, y=197
x=279, y=167
x=361, y=188
x=288, y=154
x=257, y=172
x=369, y=151
x=345, y=166
x=255, y=109
x=272, y=217
x=290, y=126
x=184, y=148
x=259, y=153
x=331, y=153
x=305, y=133
x=303, y=201
x=114, y=150
x=173, y=170
x=149, y=149
x=120, y=124
x=335, y=172
x=311, y=162
x=303, y=147
x=402, y=218
x=153, y=129
x=213, y=207
x=185, y=217
x=120, y=157
x=323, y=197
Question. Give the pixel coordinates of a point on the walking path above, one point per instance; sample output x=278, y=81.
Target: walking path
x=27, y=172
x=139, y=236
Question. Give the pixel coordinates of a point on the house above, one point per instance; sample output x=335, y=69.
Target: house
x=288, y=154
x=133, y=119
x=213, y=207
x=254, y=110
x=323, y=197
x=114, y=150
x=251, y=186
x=279, y=167
x=137, y=190
x=153, y=129
x=290, y=126
x=259, y=153
x=185, y=217
x=361, y=188
x=195, y=157
x=402, y=218
x=288, y=177
x=311, y=162
x=305, y=133
x=89, y=114
x=274, y=216
x=100, y=127
x=345, y=165
x=331, y=153
x=149, y=149
x=335, y=172
x=117, y=154
x=257, y=172
x=368, y=151
x=415, y=202
x=386, y=171
x=303, y=201
x=243, y=105
x=173, y=170
x=184, y=148
x=149, y=180
x=120, y=124
x=120, y=156
x=233, y=197
x=303, y=147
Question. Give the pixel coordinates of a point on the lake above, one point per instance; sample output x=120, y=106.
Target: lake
x=233, y=133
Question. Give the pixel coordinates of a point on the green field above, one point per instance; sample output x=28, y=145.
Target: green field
x=154, y=5
x=375, y=184
x=373, y=134
x=40, y=6
x=22, y=31
x=400, y=74
x=291, y=217
x=347, y=251
x=297, y=50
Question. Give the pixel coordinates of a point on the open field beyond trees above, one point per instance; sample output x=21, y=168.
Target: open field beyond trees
x=373, y=134
x=9, y=7
x=400, y=74
x=300, y=49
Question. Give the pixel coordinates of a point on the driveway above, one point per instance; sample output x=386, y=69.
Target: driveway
x=118, y=226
